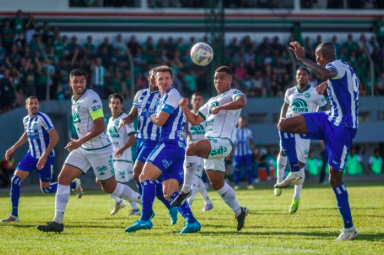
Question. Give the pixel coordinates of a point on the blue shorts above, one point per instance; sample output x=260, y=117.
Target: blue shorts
x=169, y=158
x=143, y=149
x=28, y=164
x=337, y=140
x=245, y=159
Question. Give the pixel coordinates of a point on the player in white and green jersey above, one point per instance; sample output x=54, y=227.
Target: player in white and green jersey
x=299, y=99
x=221, y=114
x=197, y=133
x=122, y=140
x=92, y=149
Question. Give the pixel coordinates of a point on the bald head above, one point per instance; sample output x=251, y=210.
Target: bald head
x=327, y=49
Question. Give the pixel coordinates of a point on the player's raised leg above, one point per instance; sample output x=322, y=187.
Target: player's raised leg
x=281, y=166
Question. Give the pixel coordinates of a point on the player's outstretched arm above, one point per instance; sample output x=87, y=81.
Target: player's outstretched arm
x=23, y=139
x=95, y=131
x=322, y=72
x=129, y=119
x=190, y=116
x=54, y=139
x=238, y=103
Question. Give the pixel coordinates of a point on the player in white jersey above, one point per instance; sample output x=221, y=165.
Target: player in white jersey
x=147, y=136
x=42, y=137
x=122, y=140
x=337, y=127
x=299, y=99
x=221, y=114
x=197, y=133
x=92, y=149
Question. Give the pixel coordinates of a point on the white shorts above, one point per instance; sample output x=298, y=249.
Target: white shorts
x=302, y=148
x=200, y=167
x=123, y=170
x=220, y=149
x=100, y=160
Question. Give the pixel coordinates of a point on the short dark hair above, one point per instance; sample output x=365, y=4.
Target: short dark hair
x=225, y=69
x=29, y=98
x=78, y=72
x=115, y=95
x=164, y=69
x=303, y=68
x=197, y=94
x=376, y=150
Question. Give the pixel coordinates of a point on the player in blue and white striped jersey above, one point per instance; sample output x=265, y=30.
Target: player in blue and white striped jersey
x=147, y=135
x=337, y=127
x=243, y=152
x=166, y=159
x=42, y=138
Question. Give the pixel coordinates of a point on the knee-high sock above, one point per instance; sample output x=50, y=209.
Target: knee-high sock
x=184, y=210
x=281, y=165
x=237, y=175
x=61, y=201
x=229, y=197
x=190, y=166
x=147, y=199
x=15, y=194
x=296, y=195
x=194, y=190
x=288, y=144
x=117, y=199
x=203, y=191
x=249, y=175
x=160, y=194
x=343, y=205
x=52, y=188
x=139, y=188
x=126, y=193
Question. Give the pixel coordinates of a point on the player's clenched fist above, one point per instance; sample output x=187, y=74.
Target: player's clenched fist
x=183, y=103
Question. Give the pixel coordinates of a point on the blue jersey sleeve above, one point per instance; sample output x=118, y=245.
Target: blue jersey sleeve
x=46, y=122
x=171, y=102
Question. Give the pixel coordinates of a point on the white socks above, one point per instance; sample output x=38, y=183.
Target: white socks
x=296, y=194
x=117, y=199
x=134, y=205
x=61, y=201
x=190, y=166
x=126, y=193
x=229, y=197
x=194, y=190
x=281, y=166
x=203, y=191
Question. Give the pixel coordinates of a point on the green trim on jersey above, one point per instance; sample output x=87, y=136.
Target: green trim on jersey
x=308, y=87
x=202, y=115
x=117, y=116
x=97, y=148
x=80, y=96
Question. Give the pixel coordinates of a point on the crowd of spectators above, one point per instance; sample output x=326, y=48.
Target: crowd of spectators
x=34, y=57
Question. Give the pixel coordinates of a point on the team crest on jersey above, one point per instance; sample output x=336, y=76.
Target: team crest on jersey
x=213, y=104
x=299, y=105
x=307, y=95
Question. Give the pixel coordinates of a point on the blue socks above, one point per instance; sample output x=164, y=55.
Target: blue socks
x=15, y=194
x=343, y=205
x=288, y=144
x=237, y=176
x=139, y=188
x=147, y=199
x=53, y=187
x=249, y=175
x=184, y=210
x=160, y=194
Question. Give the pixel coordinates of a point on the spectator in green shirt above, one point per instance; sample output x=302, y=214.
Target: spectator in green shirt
x=375, y=162
x=18, y=22
x=353, y=164
x=350, y=45
x=378, y=28
x=8, y=34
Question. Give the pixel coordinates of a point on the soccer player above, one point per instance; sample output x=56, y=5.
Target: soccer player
x=336, y=127
x=221, y=114
x=167, y=157
x=92, y=149
x=375, y=162
x=42, y=138
x=148, y=134
x=243, y=152
x=196, y=133
x=122, y=140
x=299, y=99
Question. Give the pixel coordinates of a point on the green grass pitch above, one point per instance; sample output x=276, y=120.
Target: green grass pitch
x=269, y=229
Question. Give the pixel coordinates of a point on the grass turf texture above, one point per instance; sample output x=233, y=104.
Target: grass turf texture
x=269, y=229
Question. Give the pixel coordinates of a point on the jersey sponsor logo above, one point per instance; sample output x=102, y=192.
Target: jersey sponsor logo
x=181, y=134
x=299, y=105
x=101, y=168
x=219, y=151
x=210, y=122
x=96, y=107
x=197, y=130
x=113, y=132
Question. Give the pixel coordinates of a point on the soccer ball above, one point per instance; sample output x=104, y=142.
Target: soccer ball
x=201, y=54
